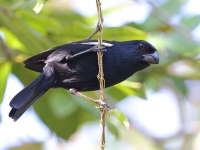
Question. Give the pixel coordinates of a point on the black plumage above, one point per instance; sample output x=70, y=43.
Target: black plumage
x=60, y=67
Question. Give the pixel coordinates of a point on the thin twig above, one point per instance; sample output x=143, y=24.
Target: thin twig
x=103, y=140
x=100, y=76
x=5, y=49
x=99, y=27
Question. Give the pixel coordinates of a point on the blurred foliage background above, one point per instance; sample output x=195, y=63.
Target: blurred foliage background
x=23, y=33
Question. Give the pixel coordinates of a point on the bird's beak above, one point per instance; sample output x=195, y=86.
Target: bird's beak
x=152, y=58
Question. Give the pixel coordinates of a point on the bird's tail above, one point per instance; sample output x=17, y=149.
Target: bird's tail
x=30, y=94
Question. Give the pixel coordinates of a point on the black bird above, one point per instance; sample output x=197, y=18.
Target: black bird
x=75, y=66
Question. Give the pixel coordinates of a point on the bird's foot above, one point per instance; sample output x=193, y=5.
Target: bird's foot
x=98, y=49
x=103, y=106
x=69, y=57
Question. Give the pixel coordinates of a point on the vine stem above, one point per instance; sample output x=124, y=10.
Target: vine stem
x=100, y=76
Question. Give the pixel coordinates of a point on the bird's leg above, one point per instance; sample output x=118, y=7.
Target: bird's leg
x=92, y=49
x=102, y=105
x=93, y=33
x=75, y=92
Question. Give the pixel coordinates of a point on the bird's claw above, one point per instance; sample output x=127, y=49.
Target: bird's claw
x=73, y=91
x=69, y=57
x=98, y=49
x=103, y=106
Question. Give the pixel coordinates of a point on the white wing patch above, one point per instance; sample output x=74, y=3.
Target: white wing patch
x=96, y=44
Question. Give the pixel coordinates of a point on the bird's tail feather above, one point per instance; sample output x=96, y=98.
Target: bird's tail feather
x=25, y=98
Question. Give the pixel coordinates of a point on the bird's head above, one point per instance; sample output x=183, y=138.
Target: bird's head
x=144, y=51
x=140, y=54
x=149, y=52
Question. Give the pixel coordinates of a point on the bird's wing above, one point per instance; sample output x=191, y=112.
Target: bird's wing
x=37, y=62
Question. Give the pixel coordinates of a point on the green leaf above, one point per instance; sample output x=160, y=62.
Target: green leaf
x=115, y=93
x=19, y=70
x=126, y=33
x=131, y=88
x=5, y=68
x=134, y=85
x=121, y=117
x=181, y=87
x=77, y=30
x=12, y=41
x=63, y=125
x=29, y=146
x=60, y=111
x=191, y=22
x=112, y=129
x=39, y=5
x=172, y=7
x=26, y=35
x=61, y=105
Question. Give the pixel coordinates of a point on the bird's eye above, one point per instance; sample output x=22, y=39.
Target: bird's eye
x=140, y=47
